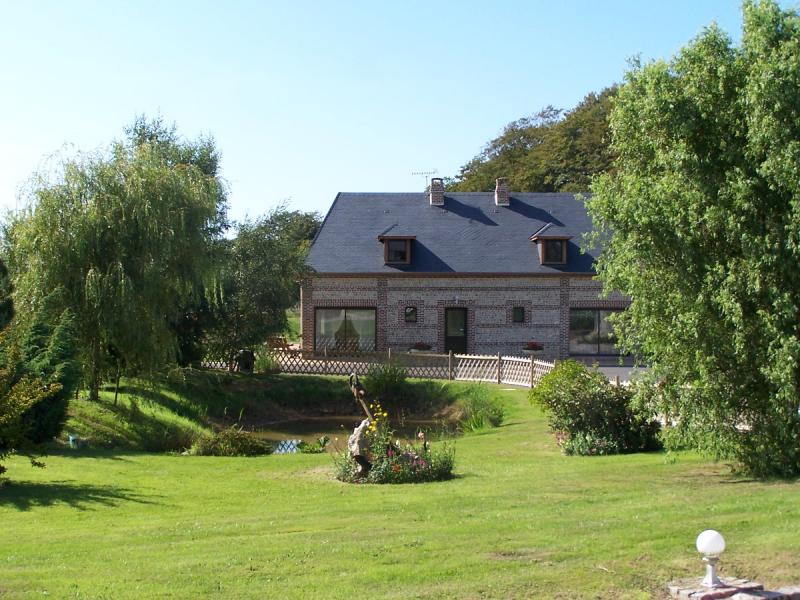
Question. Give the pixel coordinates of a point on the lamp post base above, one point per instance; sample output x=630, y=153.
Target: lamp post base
x=711, y=580
x=694, y=589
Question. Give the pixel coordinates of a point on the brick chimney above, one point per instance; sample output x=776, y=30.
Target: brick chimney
x=501, y=192
x=437, y=191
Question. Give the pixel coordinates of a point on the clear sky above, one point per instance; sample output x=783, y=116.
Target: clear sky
x=306, y=99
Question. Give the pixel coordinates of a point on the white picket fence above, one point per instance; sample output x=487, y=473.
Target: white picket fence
x=510, y=370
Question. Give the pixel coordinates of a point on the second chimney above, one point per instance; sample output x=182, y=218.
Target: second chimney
x=437, y=191
x=501, y=192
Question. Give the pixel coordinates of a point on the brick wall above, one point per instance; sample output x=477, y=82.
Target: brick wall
x=489, y=300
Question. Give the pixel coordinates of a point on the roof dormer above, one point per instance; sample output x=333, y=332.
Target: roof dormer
x=552, y=244
x=397, y=246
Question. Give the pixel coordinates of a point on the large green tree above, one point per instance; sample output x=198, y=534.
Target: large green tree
x=552, y=151
x=265, y=263
x=121, y=239
x=702, y=228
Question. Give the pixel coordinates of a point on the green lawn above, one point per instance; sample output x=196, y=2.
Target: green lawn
x=520, y=521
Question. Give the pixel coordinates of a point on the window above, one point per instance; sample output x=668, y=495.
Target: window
x=553, y=251
x=397, y=251
x=411, y=314
x=344, y=329
x=590, y=332
x=518, y=314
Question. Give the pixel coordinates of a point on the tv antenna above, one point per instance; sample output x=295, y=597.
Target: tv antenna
x=425, y=174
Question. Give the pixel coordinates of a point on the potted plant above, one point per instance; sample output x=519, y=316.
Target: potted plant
x=420, y=347
x=533, y=348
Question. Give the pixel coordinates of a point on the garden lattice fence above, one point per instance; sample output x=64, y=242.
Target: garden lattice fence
x=511, y=370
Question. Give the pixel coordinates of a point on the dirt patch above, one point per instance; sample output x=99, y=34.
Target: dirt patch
x=531, y=555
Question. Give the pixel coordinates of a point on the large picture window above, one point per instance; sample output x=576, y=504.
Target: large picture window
x=590, y=332
x=344, y=329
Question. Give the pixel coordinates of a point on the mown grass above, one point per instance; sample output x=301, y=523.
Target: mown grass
x=520, y=521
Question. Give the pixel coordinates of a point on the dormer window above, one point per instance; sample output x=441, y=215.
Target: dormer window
x=553, y=251
x=552, y=246
x=396, y=250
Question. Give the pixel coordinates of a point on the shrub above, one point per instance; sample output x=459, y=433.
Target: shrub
x=479, y=409
x=591, y=416
x=421, y=346
x=267, y=363
x=533, y=346
x=387, y=384
x=396, y=462
x=317, y=447
x=233, y=441
x=49, y=352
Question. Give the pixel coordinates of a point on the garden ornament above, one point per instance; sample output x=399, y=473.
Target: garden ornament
x=710, y=544
x=357, y=443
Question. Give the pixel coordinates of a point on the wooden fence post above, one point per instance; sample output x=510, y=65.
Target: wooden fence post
x=499, y=367
x=450, y=365
x=533, y=371
x=389, y=356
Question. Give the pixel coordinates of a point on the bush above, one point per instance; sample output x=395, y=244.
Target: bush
x=591, y=416
x=233, y=441
x=49, y=353
x=317, y=447
x=266, y=363
x=479, y=409
x=396, y=462
x=387, y=384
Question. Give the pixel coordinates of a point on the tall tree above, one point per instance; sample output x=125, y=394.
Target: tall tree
x=702, y=228
x=552, y=151
x=265, y=263
x=120, y=240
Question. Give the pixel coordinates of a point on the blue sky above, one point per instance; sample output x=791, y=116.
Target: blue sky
x=306, y=99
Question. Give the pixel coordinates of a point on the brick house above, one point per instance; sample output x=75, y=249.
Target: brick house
x=477, y=273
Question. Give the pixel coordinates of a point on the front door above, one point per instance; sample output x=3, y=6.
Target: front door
x=455, y=330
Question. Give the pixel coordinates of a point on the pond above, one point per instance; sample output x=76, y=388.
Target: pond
x=310, y=429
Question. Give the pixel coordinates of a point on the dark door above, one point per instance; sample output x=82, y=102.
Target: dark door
x=455, y=330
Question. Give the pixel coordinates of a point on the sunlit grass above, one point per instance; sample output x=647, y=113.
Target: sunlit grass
x=520, y=521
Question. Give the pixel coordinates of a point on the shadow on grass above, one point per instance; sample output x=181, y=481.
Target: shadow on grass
x=507, y=424
x=194, y=412
x=127, y=427
x=103, y=454
x=27, y=495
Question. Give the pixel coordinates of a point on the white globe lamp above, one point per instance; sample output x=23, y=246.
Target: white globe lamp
x=711, y=544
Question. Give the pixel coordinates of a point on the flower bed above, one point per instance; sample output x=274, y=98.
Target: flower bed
x=394, y=461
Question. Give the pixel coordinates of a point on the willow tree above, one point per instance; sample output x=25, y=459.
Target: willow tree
x=702, y=222
x=121, y=239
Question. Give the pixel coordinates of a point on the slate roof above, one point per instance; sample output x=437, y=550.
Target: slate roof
x=551, y=230
x=469, y=234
